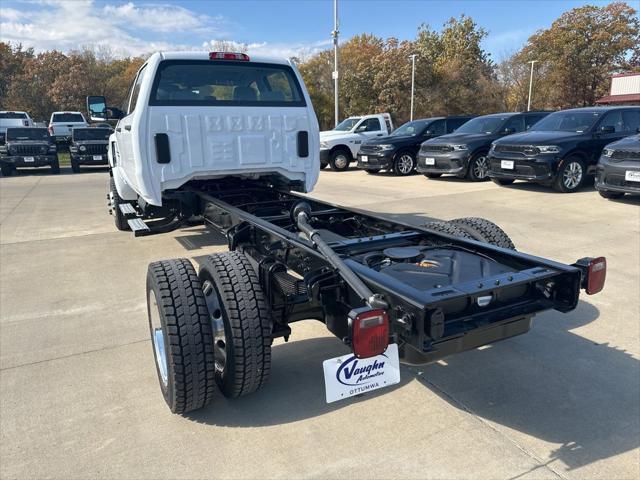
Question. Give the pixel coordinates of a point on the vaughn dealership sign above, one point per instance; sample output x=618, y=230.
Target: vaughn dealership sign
x=348, y=375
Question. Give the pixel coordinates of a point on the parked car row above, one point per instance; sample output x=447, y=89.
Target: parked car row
x=560, y=149
x=28, y=146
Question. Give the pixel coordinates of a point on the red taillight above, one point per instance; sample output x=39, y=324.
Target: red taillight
x=228, y=56
x=369, y=332
x=596, y=275
x=50, y=130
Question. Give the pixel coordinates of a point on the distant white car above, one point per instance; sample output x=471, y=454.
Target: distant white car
x=13, y=119
x=62, y=123
x=340, y=146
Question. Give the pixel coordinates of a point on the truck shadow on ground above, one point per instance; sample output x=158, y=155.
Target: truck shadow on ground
x=550, y=384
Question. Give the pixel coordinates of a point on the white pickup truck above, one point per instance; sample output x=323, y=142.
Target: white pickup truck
x=195, y=116
x=340, y=146
x=62, y=123
x=13, y=119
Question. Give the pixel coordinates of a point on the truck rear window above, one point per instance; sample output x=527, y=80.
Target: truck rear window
x=224, y=83
x=13, y=115
x=27, y=134
x=81, y=134
x=67, y=118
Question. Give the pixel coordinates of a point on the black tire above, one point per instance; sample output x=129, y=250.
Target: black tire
x=55, y=167
x=7, y=170
x=340, y=160
x=432, y=175
x=115, y=200
x=180, y=335
x=404, y=163
x=323, y=165
x=373, y=171
x=567, y=179
x=448, y=228
x=485, y=230
x=75, y=168
x=502, y=181
x=241, y=322
x=608, y=194
x=478, y=167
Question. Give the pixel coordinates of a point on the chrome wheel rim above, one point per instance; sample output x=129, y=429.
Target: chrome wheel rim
x=341, y=161
x=157, y=336
x=405, y=164
x=572, y=175
x=217, y=327
x=481, y=167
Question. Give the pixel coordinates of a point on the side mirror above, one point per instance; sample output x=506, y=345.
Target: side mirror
x=361, y=128
x=607, y=129
x=97, y=108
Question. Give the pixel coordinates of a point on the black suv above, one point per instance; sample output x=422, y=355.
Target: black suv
x=398, y=151
x=618, y=170
x=28, y=147
x=89, y=146
x=563, y=149
x=464, y=153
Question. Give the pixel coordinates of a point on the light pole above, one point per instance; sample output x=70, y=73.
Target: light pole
x=413, y=79
x=530, y=84
x=334, y=74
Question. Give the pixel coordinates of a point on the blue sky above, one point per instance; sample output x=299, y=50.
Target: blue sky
x=279, y=27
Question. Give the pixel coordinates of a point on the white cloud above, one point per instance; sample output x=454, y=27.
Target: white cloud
x=130, y=29
x=67, y=25
x=162, y=18
x=301, y=50
x=10, y=14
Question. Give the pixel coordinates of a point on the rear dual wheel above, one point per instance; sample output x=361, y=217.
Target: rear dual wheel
x=473, y=228
x=484, y=230
x=210, y=331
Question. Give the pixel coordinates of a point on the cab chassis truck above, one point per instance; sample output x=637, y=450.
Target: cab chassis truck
x=429, y=291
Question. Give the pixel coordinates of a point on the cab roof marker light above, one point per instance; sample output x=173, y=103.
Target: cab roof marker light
x=243, y=57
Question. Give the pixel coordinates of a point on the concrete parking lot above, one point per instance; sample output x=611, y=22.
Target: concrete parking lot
x=79, y=396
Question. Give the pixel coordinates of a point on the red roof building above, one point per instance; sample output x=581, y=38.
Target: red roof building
x=625, y=90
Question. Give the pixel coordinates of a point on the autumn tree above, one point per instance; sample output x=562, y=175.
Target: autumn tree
x=580, y=51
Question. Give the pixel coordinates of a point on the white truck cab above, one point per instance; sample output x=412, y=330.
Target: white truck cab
x=340, y=146
x=193, y=116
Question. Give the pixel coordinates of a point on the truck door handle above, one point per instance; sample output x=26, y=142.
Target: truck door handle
x=127, y=127
x=118, y=129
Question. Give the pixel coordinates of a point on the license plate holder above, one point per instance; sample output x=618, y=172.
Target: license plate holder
x=507, y=164
x=29, y=159
x=632, y=176
x=97, y=157
x=429, y=161
x=347, y=375
x=364, y=158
